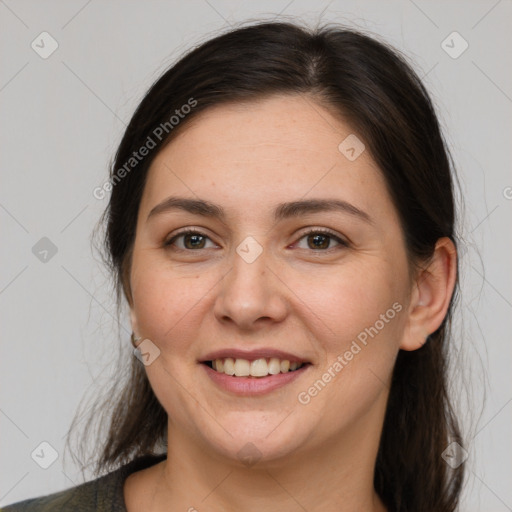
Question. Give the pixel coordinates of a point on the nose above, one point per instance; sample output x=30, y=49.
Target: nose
x=251, y=295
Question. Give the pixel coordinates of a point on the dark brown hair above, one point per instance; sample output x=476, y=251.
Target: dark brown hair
x=370, y=85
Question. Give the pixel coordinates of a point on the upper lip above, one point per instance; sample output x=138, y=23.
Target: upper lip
x=251, y=355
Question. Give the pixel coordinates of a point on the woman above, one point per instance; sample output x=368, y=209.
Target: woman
x=281, y=225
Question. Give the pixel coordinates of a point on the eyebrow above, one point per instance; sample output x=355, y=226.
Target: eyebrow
x=281, y=212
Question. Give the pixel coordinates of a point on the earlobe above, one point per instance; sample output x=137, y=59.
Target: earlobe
x=431, y=296
x=133, y=320
x=135, y=337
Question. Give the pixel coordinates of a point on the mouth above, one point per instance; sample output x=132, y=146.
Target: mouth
x=256, y=368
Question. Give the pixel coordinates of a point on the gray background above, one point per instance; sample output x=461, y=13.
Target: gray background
x=61, y=120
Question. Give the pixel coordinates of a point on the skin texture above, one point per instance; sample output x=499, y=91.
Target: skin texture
x=247, y=158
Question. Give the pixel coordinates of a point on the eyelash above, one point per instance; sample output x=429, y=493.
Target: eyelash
x=319, y=231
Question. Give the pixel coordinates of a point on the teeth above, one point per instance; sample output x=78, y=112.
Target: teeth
x=257, y=368
x=242, y=368
x=274, y=366
x=229, y=365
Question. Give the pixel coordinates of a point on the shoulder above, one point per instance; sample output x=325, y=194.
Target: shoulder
x=102, y=494
x=81, y=497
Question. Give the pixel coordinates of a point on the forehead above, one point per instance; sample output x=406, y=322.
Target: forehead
x=278, y=148
x=277, y=124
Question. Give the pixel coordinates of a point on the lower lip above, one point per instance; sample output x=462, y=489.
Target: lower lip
x=253, y=386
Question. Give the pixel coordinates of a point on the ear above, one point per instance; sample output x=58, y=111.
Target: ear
x=133, y=319
x=431, y=295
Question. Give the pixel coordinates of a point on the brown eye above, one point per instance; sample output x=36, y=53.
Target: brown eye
x=195, y=241
x=191, y=240
x=321, y=240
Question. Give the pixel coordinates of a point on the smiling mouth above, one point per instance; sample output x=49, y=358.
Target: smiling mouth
x=262, y=367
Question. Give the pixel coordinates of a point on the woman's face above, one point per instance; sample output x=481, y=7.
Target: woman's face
x=254, y=285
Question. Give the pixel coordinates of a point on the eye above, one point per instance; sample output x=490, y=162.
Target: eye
x=320, y=239
x=191, y=239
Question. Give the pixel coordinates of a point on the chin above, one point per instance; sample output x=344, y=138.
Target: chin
x=252, y=442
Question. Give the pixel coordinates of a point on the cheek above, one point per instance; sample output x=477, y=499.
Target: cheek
x=168, y=305
x=359, y=316
x=350, y=299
